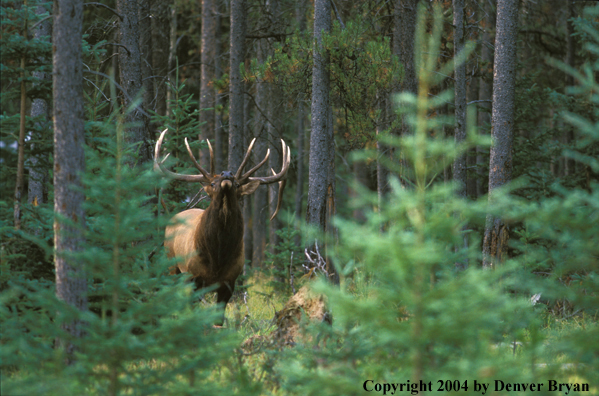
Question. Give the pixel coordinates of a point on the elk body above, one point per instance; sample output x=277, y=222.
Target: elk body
x=209, y=243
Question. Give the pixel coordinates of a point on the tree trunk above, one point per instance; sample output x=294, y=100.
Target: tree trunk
x=145, y=45
x=260, y=197
x=500, y=166
x=69, y=161
x=220, y=160
x=207, y=76
x=485, y=88
x=21, y=142
x=236, y=84
x=172, y=58
x=381, y=172
x=38, y=173
x=404, y=30
x=320, y=138
x=403, y=43
x=471, y=157
x=160, y=50
x=248, y=201
x=300, y=11
x=459, y=164
x=275, y=130
x=130, y=79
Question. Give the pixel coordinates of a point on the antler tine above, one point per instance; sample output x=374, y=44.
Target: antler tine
x=160, y=164
x=195, y=162
x=255, y=168
x=282, y=184
x=245, y=159
x=211, y=157
x=279, y=176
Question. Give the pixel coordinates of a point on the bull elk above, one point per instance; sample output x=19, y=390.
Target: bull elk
x=209, y=243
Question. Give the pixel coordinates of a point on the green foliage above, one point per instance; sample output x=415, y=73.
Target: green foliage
x=285, y=265
x=409, y=314
x=183, y=122
x=144, y=333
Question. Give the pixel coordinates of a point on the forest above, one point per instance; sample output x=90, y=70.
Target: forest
x=275, y=197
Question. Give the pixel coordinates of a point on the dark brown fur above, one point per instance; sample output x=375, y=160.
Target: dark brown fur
x=211, y=241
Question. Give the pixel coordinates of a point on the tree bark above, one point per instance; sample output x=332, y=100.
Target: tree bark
x=69, y=161
x=300, y=125
x=236, y=84
x=404, y=30
x=485, y=88
x=500, y=166
x=38, y=173
x=21, y=142
x=145, y=45
x=459, y=164
x=160, y=50
x=248, y=201
x=130, y=79
x=207, y=93
x=320, y=137
x=220, y=159
x=275, y=128
x=260, y=197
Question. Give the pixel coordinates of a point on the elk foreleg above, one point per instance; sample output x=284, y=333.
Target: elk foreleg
x=223, y=294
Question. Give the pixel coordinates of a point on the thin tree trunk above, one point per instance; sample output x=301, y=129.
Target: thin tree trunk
x=320, y=138
x=38, y=172
x=220, y=159
x=160, y=51
x=381, y=172
x=485, y=88
x=300, y=127
x=236, y=84
x=69, y=161
x=172, y=58
x=260, y=197
x=500, y=166
x=275, y=127
x=207, y=75
x=404, y=30
x=145, y=30
x=130, y=79
x=248, y=202
x=21, y=143
x=471, y=157
x=459, y=165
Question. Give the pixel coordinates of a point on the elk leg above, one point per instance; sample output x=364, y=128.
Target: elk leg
x=223, y=294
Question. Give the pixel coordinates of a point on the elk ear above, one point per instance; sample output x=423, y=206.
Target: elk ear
x=249, y=188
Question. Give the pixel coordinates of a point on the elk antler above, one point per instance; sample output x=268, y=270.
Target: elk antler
x=203, y=178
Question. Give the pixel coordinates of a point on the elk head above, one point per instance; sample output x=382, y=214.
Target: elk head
x=209, y=243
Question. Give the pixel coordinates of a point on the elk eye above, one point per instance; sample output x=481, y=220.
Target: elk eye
x=212, y=184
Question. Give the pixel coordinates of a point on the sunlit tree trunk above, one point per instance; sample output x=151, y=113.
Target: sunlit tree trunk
x=500, y=166
x=236, y=84
x=69, y=161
